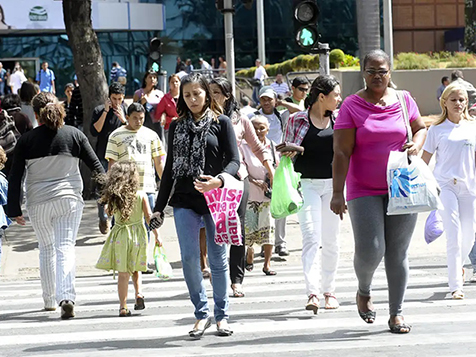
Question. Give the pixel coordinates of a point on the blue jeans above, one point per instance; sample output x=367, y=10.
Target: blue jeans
x=187, y=224
x=472, y=257
x=2, y=234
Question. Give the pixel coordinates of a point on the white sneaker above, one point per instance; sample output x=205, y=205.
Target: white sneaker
x=473, y=278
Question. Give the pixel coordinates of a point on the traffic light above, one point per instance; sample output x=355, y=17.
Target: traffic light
x=155, y=55
x=306, y=14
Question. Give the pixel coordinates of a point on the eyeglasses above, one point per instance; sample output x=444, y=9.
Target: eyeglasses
x=304, y=90
x=373, y=72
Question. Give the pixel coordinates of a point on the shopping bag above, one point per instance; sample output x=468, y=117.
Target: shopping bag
x=287, y=197
x=163, y=269
x=412, y=188
x=223, y=204
x=433, y=227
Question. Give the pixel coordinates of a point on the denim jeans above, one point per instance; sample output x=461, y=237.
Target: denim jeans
x=2, y=234
x=472, y=257
x=187, y=224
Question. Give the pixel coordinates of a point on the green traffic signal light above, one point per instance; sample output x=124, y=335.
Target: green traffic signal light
x=306, y=37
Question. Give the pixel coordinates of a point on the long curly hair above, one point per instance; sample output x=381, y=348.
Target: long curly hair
x=120, y=189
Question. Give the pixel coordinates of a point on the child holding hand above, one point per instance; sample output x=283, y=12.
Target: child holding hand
x=125, y=250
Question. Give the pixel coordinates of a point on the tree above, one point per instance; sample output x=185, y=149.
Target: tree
x=87, y=56
x=88, y=63
x=368, y=26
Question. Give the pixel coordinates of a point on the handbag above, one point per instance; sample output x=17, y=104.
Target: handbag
x=412, y=188
x=287, y=196
x=9, y=133
x=163, y=269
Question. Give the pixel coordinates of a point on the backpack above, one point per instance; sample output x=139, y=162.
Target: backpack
x=9, y=133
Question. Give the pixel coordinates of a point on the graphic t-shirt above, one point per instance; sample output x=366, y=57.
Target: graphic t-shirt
x=140, y=146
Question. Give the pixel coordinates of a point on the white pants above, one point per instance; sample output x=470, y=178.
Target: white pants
x=458, y=218
x=56, y=225
x=319, y=226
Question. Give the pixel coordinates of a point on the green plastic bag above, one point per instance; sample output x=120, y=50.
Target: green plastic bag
x=163, y=269
x=287, y=197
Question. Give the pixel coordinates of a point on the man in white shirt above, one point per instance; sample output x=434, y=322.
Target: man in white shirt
x=281, y=87
x=17, y=79
x=205, y=67
x=260, y=76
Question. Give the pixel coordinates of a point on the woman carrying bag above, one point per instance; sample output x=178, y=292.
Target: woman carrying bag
x=202, y=146
x=313, y=129
x=369, y=126
x=453, y=138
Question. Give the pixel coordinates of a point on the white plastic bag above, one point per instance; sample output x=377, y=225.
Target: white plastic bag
x=412, y=188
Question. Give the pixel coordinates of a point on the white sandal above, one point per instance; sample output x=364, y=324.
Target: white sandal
x=457, y=295
x=331, y=302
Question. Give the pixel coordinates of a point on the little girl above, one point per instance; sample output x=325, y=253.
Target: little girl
x=125, y=249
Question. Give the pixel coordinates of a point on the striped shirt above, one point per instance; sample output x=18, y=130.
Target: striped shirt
x=141, y=146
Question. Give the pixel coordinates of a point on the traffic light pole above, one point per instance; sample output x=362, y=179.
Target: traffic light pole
x=260, y=27
x=323, y=49
x=228, y=11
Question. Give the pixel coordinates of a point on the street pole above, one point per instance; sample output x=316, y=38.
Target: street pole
x=228, y=11
x=388, y=29
x=260, y=26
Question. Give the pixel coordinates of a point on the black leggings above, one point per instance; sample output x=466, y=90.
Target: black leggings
x=237, y=252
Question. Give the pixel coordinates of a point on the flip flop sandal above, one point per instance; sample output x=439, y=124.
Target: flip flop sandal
x=457, y=295
x=124, y=312
x=331, y=302
x=313, y=304
x=269, y=272
x=237, y=293
x=249, y=267
x=206, y=273
x=139, y=305
x=397, y=328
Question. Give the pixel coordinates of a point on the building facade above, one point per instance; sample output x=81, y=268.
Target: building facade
x=428, y=25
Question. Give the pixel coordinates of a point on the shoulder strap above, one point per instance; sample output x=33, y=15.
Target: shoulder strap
x=403, y=105
x=273, y=152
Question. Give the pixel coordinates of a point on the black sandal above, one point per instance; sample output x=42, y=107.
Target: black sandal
x=368, y=316
x=249, y=267
x=269, y=272
x=124, y=312
x=397, y=328
x=139, y=305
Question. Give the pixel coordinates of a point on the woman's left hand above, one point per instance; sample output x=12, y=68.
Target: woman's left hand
x=412, y=148
x=207, y=183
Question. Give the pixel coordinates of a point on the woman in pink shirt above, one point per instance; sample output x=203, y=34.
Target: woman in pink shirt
x=168, y=106
x=370, y=124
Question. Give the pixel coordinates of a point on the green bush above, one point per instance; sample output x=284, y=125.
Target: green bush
x=412, y=60
x=351, y=61
x=462, y=60
x=336, y=57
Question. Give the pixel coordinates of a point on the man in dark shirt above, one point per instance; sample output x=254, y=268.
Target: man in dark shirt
x=106, y=118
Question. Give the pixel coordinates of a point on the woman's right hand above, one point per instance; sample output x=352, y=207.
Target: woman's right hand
x=338, y=205
x=20, y=220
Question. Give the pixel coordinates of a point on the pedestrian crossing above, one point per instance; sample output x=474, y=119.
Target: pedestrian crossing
x=270, y=320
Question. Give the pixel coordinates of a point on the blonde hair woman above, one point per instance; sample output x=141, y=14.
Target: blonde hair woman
x=453, y=138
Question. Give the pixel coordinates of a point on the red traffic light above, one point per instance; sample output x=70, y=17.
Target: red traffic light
x=306, y=11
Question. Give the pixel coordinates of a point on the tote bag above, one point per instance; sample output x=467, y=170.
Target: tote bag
x=412, y=188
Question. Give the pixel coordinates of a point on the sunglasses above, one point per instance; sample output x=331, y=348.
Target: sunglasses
x=373, y=72
x=304, y=90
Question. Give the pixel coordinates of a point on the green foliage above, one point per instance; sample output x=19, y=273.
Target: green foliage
x=442, y=56
x=351, y=61
x=462, y=60
x=411, y=60
x=336, y=57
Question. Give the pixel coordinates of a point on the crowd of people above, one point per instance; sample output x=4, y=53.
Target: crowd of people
x=194, y=137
